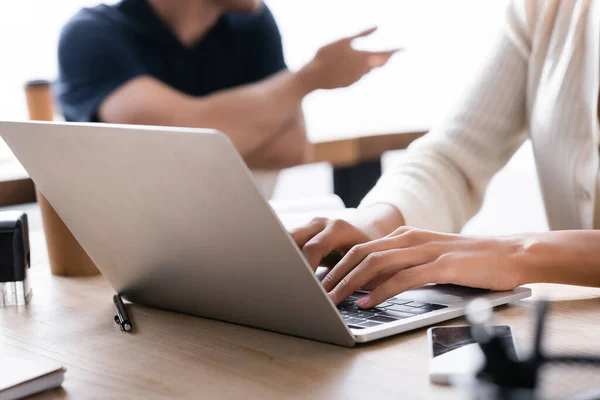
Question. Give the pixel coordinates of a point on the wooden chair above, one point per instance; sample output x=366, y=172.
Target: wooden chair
x=66, y=255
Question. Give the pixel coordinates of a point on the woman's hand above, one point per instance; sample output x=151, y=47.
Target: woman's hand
x=323, y=236
x=408, y=258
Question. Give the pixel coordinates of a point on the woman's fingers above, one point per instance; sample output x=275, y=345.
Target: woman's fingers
x=410, y=258
x=377, y=264
x=335, y=235
x=404, y=238
x=353, y=258
x=402, y=281
x=305, y=233
x=404, y=259
x=378, y=280
x=326, y=241
x=352, y=278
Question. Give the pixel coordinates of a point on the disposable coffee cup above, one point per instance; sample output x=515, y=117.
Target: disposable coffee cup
x=67, y=257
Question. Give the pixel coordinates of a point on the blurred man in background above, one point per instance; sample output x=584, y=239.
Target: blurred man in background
x=199, y=63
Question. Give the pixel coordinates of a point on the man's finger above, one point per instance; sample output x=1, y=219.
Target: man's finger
x=379, y=59
x=362, y=34
x=384, y=53
x=402, y=281
x=305, y=233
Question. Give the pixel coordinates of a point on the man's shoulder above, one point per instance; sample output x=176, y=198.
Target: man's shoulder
x=102, y=21
x=98, y=17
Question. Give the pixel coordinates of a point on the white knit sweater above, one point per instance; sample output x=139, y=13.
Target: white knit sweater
x=540, y=81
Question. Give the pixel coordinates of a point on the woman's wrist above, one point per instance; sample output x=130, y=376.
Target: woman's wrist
x=531, y=255
x=568, y=257
x=379, y=220
x=550, y=257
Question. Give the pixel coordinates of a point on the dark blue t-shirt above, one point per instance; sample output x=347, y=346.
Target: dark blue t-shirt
x=103, y=47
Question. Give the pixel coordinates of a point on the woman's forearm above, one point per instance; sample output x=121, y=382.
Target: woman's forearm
x=570, y=257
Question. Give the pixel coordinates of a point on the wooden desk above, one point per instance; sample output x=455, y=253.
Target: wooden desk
x=15, y=185
x=172, y=355
x=355, y=149
x=356, y=159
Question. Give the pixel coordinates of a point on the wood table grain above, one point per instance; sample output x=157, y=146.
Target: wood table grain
x=171, y=355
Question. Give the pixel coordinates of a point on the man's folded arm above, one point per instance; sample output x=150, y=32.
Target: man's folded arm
x=263, y=120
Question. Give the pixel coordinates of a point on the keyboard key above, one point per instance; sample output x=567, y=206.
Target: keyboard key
x=354, y=321
x=404, y=309
x=397, y=314
x=395, y=300
x=355, y=296
x=437, y=306
x=363, y=314
x=369, y=324
x=428, y=308
x=417, y=304
x=356, y=327
x=351, y=307
x=384, y=304
x=381, y=318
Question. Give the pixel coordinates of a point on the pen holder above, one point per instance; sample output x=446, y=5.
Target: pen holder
x=505, y=376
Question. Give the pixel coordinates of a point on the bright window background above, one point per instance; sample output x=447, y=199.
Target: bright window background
x=444, y=43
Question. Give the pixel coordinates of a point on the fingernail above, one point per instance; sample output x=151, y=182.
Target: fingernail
x=377, y=61
x=362, y=301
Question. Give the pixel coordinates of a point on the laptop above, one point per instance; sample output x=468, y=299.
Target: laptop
x=173, y=219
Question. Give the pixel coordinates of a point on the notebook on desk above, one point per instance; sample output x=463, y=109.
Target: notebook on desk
x=23, y=374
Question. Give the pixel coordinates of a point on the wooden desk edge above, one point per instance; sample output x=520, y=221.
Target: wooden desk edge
x=339, y=153
x=352, y=151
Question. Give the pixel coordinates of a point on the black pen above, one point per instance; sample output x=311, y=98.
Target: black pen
x=122, y=319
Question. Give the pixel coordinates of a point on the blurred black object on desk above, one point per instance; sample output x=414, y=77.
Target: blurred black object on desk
x=504, y=376
x=14, y=259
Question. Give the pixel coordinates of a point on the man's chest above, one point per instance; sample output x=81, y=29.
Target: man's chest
x=197, y=72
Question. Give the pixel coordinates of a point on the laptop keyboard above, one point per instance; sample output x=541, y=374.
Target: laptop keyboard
x=392, y=310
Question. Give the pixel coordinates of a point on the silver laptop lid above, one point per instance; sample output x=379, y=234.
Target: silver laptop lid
x=173, y=219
